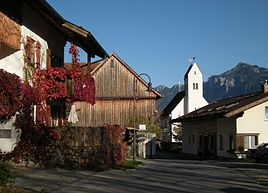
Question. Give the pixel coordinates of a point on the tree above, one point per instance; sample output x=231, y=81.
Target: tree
x=177, y=133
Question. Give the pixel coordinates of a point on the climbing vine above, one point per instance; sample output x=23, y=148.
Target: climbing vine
x=40, y=87
x=10, y=95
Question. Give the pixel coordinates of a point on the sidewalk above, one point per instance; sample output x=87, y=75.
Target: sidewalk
x=36, y=179
x=175, y=155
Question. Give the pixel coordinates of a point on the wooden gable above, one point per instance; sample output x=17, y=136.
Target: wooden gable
x=115, y=104
x=115, y=79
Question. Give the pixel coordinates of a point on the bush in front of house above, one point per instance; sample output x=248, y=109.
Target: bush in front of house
x=6, y=177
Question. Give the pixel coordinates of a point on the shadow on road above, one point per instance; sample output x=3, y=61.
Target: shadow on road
x=239, y=190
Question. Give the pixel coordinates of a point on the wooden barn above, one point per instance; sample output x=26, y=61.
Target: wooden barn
x=115, y=83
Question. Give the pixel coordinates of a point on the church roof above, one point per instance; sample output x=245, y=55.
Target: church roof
x=187, y=72
x=173, y=103
x=227, y=107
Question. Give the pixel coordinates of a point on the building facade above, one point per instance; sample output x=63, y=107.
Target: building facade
x=33, y=36
x=116, y=86
x=227, y=127
x=184, y=102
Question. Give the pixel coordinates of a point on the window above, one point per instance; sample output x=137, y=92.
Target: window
x=221, y=142
x=29, y=51
x=231, y=143
x=56, y=61
x=5, y=133
x=200, y=141
x=58, y=109
x=266, y=113
x=189, y=138
x=212, y=141
x=195, y=86
x=112, y=63
x=245, y=142
x=193, y=138
x=250, y=142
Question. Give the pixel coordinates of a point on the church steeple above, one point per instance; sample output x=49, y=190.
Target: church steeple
x=193, y=81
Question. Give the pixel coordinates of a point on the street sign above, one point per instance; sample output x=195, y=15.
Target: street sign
x=142, y=127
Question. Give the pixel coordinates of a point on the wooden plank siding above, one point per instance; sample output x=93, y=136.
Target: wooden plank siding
x=10, y=36
x=115, y=82
x=112, y=111
x=9, y=32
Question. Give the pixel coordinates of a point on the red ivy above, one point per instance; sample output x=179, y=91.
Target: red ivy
x=50, y=83
x=10, y=95
x=85, y=89
x=47, y=85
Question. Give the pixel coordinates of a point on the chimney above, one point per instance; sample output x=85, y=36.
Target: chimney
x=264, y=86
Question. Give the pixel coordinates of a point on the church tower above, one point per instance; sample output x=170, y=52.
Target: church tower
x=193, y=82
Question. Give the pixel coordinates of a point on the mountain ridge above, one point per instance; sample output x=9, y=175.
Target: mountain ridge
x=242, y=79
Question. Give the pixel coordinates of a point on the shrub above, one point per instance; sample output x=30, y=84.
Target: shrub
x=5, y=175
x=128, y=164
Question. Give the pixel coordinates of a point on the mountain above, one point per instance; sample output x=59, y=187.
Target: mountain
x=168, y=94
x=242, y=79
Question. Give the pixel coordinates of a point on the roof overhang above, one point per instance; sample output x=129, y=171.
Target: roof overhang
x=73, y=33
x=84, y=39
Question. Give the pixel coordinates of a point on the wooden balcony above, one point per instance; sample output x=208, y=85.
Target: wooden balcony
x=10, y=36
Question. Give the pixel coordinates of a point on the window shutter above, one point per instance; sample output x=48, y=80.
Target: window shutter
x=38, y=54
x=240, y=142
x=28, y=50
x=48, y=59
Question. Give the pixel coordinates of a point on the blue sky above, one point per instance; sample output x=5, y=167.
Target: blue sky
x=158, y=37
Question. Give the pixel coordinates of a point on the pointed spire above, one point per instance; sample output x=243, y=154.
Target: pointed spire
x=192, y=60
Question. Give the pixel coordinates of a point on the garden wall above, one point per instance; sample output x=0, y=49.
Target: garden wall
x=84, y=147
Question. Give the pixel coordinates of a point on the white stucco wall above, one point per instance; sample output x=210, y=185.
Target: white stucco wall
x=14, y=63
x=8, y=144
x=194, y=97
x=44, y=45
x=178, y=110
x=189, y=145
x=253, y=121
x=225, y=127
x=175, y=113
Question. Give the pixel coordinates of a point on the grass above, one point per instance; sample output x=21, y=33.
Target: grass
x=13, y=189
x=128, y=164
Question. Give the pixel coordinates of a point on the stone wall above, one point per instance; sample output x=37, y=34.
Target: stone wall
x=86, y=148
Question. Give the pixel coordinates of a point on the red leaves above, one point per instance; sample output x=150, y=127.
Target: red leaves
x=75, y=53
x=10, y=95
x=50, y=84
x=85, y=89
x=55, y=134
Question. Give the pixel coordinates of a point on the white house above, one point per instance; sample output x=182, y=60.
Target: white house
x=33, y=35
x=184, y=102
x=227, y=127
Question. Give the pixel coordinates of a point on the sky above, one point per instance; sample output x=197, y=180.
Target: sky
x=158, y=37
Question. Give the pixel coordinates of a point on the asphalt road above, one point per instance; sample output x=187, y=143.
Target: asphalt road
x=159, y=175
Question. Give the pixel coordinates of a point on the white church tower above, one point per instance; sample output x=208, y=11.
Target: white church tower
x=193, y=82
x=183, y=102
